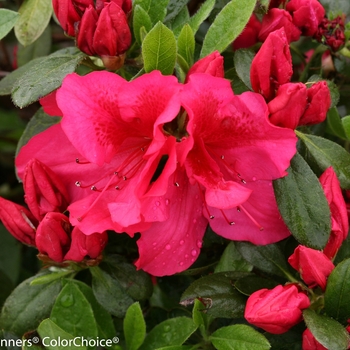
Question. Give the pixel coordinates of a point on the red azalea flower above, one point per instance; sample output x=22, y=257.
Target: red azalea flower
x=276, y=310
x=249, y=35
x=310, y=343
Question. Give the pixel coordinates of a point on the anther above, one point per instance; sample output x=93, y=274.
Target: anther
x=232, y=223
x=93, y=188
x=243, y=181
x=211, y=217
x=176, y=184
x=77, y=183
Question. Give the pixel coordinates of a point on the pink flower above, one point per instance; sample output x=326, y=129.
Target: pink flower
x=212, y=64
x=276, y=310
x=318, y=104
x=249, y=35
x=276, y=19
x=274, y=56
x=310, y=343
x=288, y=105
x=307, y=15
x=340, y=223
x=313, y=266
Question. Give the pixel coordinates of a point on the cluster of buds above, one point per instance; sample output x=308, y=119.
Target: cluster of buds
x=43, y=225
x=101, y=28
x=279, y=309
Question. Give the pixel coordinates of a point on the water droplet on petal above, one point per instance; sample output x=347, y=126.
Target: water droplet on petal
x=168, y=247
x=167, y=202
x=186, y=256
x=157, y=203
x=182, y=242
x=181, y=263
x=193, y=252
x=199, y=243
x=154, y=244
x=254, y=178
x=194, y=221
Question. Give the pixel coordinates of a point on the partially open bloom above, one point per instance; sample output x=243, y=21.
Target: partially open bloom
x=274, y=56
x=310, y=343
x=276, y=310
x=313, y=266
x=339, y=217
x=307, y=15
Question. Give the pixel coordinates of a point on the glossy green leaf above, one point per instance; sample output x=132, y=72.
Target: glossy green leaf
x=337, y=292
x=50, y=277
x=156, y=9
x=346, y=125
x=201, y=15
x=109, y=293
x=268, y=258
x=217, y=294
x=134, y=327
x=228, y=24
x=6, y=287
x=8, y=19
x=334, y=124
x=250, y=284
x=140, y=19
x=72, y=312
x=43, y=78
x=51, y=333
x=39, y=48
x=186, y=44
x=239, y=337
x=28, y=305
x=327, y=331
x=325, y=153
x=232, y=260
x=159, y=50
x=243, y=60
x=296, y=195
x=10, y=254
x=174, y=331
x=34, y=17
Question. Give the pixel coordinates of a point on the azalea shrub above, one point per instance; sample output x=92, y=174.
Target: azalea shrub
x=176, y=174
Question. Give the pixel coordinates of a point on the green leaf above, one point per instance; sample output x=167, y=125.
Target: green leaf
x=296, y=195
x=174, y=331
x=38, y=123
x=337, y=293
x=50, y=333
x=201, y=15
x=239, y=337
x=8, y=19
x=159, y=50
x=43, y=78
x=232, y=260
x=330, y=333
x=28, y=305
x=39, y=48
x=140, y=19
x=156, y=9
x=325, y=153
x=186, y=44
x=217, y=294
x=109, y=293
x=6, y=287
x=243, y=60
x=134, y=327
x=174, y=8
x=228, y=24
x=10, y=254
x=35, y=16
x=250, y=284
x=179, y=21
x=73, y=313
x=346, y=125
x=334, y=124
x=50, y=277
x=268, y=258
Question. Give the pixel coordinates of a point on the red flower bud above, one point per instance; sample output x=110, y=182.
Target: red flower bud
x=276, y=310
x=52, y=236
x=274, y=56
x=310, y=343
x=18, y=220
x=307, y=15
x=44, y=191
x=276, y=19
x=288, y=105
x=86, y=245
x=319, y=101
x=313, y=266
x=340, y=223
x=212, y=64
x=249, y=35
